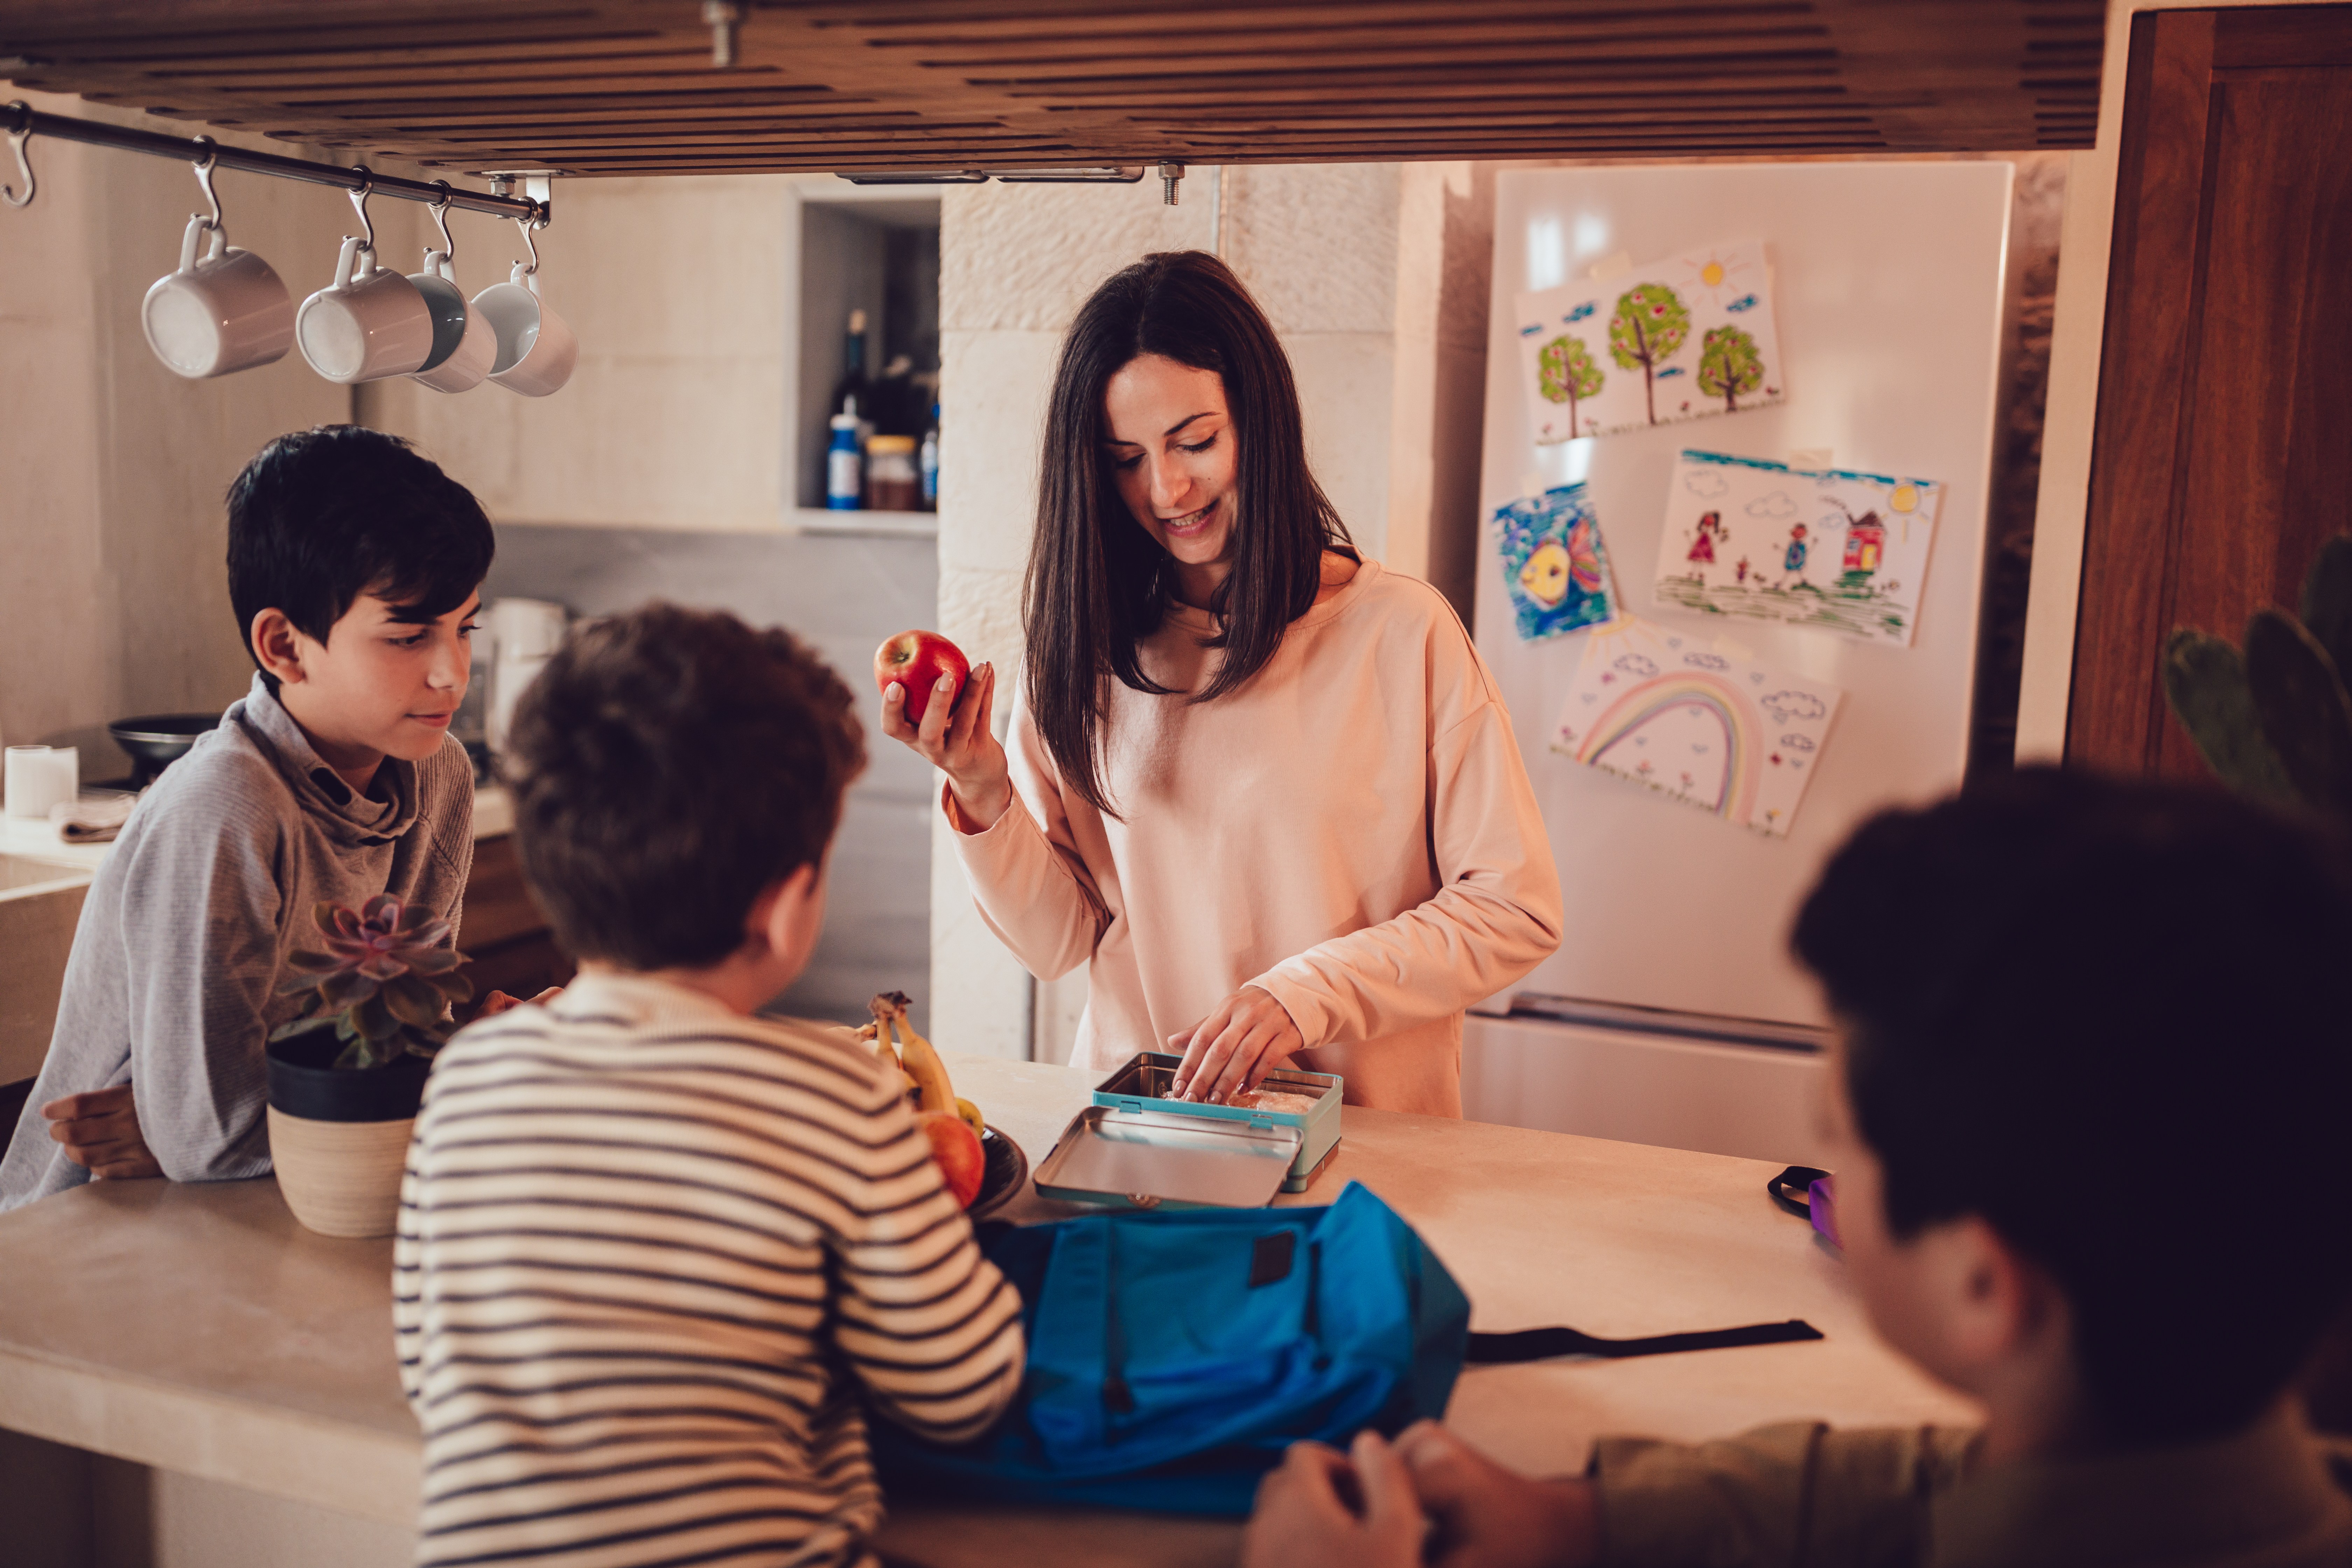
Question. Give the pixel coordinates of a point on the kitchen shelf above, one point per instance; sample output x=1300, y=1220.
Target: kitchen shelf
x=888, y=524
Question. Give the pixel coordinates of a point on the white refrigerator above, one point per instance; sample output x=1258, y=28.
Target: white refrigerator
x=1673, y=1013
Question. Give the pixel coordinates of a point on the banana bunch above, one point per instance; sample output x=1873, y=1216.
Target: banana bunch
x=916, y=1060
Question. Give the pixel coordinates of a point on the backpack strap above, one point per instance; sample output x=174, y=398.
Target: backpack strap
x=1791, y=1187
x=1540, y=1345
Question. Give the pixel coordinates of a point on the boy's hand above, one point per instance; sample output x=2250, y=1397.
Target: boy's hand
x=100, y=1130
x=1323, y=1509
x=497, y=1002
x=1489, y=1516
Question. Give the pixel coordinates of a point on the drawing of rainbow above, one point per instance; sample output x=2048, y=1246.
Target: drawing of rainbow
x=1744, y=768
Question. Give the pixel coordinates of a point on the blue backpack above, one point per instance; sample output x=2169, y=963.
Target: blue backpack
x=1174, y=1356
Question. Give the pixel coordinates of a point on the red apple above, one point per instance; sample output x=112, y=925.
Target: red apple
x=916, y=660
x=956, y=1148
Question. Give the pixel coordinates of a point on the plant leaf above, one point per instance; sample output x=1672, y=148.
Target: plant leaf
x=345, y=989
x=411, y=918
x=302, y=961
x=362, y=1054
x=2327, y=600
x=431, y=933
x=323, y=914
x=373, y=1019
x=2205, y=682
x=302, y=983
x=454, y=986
x=302, y=1026
x=383, y=967
x=413, y=1001
x=434, y=959
x=383, y=910
x=2306, y=714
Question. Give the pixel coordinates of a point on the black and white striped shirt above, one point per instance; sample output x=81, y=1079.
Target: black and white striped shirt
x=650, y=1254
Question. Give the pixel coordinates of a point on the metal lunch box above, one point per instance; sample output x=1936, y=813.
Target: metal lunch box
x=1134, y=1147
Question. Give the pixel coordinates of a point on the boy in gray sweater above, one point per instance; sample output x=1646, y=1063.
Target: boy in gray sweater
x=354, y=569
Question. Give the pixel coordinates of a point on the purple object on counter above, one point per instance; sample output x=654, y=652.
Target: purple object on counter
x=1822, y=1198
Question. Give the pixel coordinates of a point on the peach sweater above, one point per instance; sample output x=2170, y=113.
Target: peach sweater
x=1353, y=831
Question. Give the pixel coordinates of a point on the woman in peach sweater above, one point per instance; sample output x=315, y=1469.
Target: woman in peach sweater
x=1262, y=788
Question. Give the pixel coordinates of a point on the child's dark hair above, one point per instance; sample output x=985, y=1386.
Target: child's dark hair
x=668, y=766
x=2115, y=1020
x=321, y=516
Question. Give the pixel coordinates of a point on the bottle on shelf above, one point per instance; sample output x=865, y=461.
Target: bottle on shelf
x=927, y=462
x=852, y=385
x=844, y=462
x=896, y=399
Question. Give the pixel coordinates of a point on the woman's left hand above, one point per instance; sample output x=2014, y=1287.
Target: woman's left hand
x=1244, y=1037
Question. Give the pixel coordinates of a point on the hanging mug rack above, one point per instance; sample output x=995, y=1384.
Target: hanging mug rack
x=537, y=370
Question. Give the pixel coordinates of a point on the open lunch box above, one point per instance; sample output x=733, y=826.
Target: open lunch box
x=1136, y=1148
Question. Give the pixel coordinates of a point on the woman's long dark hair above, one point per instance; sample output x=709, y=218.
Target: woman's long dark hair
x=1098, y=583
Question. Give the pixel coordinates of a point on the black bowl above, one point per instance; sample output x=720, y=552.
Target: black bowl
x=158, y=739
x=1005, y=1172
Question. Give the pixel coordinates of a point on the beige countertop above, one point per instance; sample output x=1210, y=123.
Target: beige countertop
x=198, y=1329
x=37, y=840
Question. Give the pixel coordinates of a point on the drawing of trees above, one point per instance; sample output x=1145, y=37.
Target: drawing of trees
x=1729, y=365
x=1567, y=373
x=1650, y=324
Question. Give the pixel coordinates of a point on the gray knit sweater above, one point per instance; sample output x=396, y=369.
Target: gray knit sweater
x=172, y=987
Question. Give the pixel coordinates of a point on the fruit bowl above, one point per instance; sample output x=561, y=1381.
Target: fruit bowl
x=1007, y=1172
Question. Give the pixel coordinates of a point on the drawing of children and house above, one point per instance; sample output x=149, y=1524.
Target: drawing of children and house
x=1845, y=552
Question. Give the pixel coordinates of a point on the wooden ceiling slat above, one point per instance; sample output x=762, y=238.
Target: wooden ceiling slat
x=939, y=55
x=624, y=85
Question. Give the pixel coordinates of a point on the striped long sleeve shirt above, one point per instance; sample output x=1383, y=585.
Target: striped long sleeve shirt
x=650, y=1255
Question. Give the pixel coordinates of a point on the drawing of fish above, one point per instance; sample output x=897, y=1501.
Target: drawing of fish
x=1531, y=331
x=1745, y=302
x=1670, y=370
x=1581, y=310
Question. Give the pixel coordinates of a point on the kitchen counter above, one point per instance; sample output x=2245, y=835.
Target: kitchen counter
x=198, y=1329
x=38, y=839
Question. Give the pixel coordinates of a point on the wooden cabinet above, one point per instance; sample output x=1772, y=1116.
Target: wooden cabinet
x=502, y=931
x=2225, y=382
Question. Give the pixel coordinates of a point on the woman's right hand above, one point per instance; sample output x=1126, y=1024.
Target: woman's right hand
x=958, y=743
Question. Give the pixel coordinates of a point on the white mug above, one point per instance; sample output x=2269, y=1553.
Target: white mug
x=39, y=777
x=536, y=350
x=464, y=344
x=225, y=313
x=370, y=323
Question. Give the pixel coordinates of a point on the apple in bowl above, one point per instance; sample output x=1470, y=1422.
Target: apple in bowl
x=916, y=660
x=963, y=1165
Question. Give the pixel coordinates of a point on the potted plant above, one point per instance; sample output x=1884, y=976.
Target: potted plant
x=2274, y=720
x=346, y=1080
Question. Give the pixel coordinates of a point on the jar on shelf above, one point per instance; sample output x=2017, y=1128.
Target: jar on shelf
x=892, y=483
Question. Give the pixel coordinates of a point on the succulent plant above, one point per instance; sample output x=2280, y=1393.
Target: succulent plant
x=384, y=982
x=2274, y=722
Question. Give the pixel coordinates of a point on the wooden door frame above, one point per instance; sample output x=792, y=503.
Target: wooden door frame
x=2077, y=338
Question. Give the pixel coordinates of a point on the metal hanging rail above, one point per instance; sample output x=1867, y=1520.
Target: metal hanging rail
x=21, y=121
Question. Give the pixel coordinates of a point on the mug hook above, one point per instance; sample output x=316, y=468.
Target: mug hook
x=440, y=211
x=204, y=178
x=20, y=132
x=359, y=200
x=527, y=225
